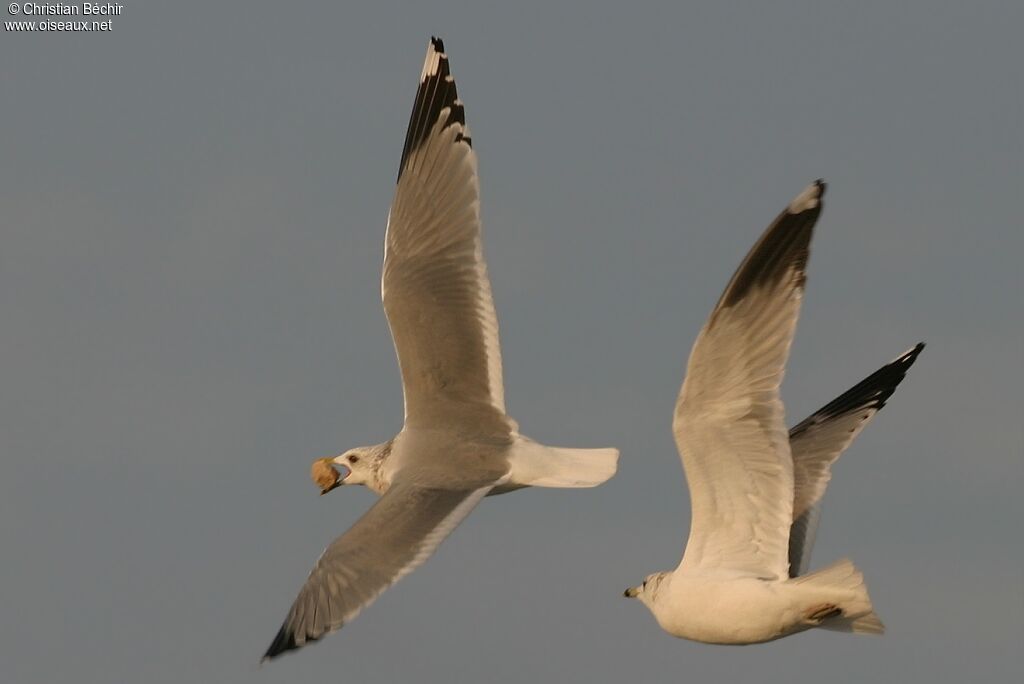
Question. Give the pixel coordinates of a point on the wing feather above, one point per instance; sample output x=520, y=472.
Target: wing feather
x=399, y=532
x=821, y=438
x=435, y=288
x=729, y=423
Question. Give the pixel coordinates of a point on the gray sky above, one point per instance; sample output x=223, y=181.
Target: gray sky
x=193, y=206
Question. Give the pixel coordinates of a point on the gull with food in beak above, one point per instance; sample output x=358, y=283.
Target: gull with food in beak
x=458, y=444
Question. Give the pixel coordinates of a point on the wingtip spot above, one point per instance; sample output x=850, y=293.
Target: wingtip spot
x=908, y=357
x=809, y=198
x=436, y=57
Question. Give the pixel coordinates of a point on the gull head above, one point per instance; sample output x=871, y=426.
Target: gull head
x=647, y=590
x=355, y=469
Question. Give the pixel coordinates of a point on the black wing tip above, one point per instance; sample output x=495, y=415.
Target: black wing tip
x=433, y=67
x=283, y=642
x=436, y=92
x=783, y=248
x=893, y=373
x=887, y=378
x=908, y=357
x=871, y=393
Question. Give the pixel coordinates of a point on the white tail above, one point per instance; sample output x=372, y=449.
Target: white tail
x=537, y=465
x=843, y=577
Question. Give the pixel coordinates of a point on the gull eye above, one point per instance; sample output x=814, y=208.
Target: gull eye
x=353, y=459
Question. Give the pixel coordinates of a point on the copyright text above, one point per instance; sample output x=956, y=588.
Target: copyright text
x=99, y=14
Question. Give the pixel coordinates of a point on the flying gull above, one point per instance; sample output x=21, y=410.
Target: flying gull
x=457, y=444
x=755, y=490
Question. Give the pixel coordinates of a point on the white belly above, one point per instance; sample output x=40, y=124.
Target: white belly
x=734, y=611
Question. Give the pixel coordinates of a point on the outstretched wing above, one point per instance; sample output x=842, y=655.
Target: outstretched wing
x=729, y=423
x=393, y=538
x=819, y=440
x=435, y=287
